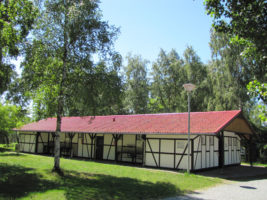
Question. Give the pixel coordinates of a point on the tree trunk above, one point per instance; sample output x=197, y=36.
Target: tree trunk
x=57, y=146
x=61, y=99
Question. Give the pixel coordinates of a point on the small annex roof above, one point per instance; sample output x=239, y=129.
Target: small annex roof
x=166, y=123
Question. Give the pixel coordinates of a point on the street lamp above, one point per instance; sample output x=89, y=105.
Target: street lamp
x=189, y=87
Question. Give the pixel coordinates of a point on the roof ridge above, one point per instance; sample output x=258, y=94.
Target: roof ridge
x=147, y=114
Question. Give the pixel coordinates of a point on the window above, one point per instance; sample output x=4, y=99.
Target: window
x=211, y=140
x=203, y=139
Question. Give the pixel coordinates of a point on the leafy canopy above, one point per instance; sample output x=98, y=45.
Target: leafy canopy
x=245, y=19
x=59, y=63
x=16, y=20
x=10, y=117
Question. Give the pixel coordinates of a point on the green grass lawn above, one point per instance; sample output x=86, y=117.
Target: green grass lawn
x=255, y=164
x=26, y=176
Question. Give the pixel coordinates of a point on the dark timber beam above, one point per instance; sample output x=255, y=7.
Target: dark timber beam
x=221, y=150
x=152, y=152
x=36, y=142
x=116, y=139
x=92, y=137
x=182, y=156
x=192, y=155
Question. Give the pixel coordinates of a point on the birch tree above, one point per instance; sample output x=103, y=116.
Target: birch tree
x=68, y=34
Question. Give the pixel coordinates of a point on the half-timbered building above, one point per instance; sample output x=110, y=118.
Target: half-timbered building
x=152, y=140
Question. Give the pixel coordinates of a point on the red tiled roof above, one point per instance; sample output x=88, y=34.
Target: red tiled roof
x=168, y=123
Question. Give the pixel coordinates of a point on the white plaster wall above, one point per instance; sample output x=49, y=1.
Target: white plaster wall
x=150, y=160
x=206, y=158
x=80, y=135
x=183, y=163
x=153, y=144
x=232, y=156
x=43, y=137
x=107, y=148
x=166, y=161
x=75, y=138
x=206, y=154
x=84, y=150
x=197, y=155
x=28, y=138
x=128, y=140
x=167, y=146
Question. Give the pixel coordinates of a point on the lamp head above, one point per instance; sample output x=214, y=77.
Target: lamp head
x=189, y=87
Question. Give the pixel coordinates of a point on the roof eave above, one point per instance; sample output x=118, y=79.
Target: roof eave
x=121, y=133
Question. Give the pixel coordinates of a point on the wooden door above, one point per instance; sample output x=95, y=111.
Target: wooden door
x=99, y=147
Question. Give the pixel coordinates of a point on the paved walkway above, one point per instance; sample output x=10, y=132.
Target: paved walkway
x=249, y=190
x=245, y=183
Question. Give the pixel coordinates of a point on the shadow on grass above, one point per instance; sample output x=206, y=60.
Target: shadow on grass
x=237, y=173
x=11, y=154
x=86, y=186
x=2, y=149
x=16, y=182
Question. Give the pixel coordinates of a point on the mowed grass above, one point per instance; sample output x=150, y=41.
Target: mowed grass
x=255, y=164
x=26, y=176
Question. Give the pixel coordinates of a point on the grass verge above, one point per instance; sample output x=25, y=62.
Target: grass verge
x=255, y=164
x=25, y=176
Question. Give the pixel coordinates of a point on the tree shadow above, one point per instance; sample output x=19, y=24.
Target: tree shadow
x=3, y=149
x=237, y=173
x=12, y=154
x=17, y=182
x=98, y=186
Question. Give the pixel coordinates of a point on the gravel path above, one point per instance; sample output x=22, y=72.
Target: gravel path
x=241, y=190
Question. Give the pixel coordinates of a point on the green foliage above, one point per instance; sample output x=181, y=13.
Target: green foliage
x=245, y=20
x=60, y=59
x=259, y=90
x=11, y=116
x=169, y=73
x=101, y=91
x=27, y=176
x=16, y=20
x=229, y=73
x=136, y=85
x=166, y=87
x=59, y=73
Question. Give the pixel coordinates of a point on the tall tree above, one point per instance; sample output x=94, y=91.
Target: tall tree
x=168, y=77
x=69, y=34
x=101, y=93
x=136, y=85
x=229, y=73
x=196, y=73
x=16, y=20
x=169, y=73
x=246, y=23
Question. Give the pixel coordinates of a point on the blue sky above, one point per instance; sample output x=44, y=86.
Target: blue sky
x=148, y=25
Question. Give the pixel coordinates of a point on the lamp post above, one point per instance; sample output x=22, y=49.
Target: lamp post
x=189, y=87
